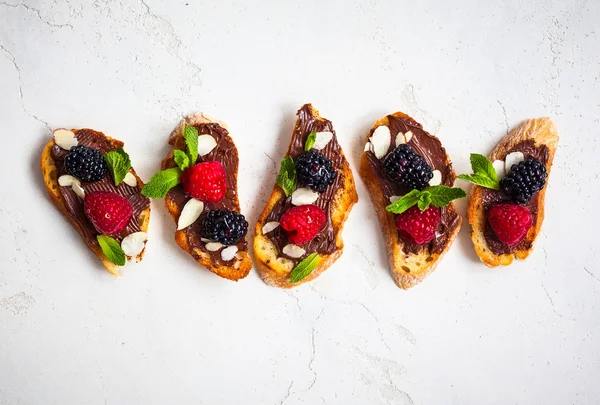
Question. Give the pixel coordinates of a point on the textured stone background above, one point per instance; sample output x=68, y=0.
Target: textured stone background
x=171, y=332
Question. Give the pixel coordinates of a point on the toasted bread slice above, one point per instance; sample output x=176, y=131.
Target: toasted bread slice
x=51, y=174
x=275, y=269
x=541, y=136
x=409, y=264
x=189, y=238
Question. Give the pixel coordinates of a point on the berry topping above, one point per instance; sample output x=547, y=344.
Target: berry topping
x=109, y=212
x=524, y=179
x=224, y=226
x=407, y=167
x=510, y=222
x=85, y=163
x=418, y=226
x=205, y=181
x=302, y=223
x=315, y=171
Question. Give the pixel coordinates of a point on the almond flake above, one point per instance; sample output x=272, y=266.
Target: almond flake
x=381, y=140
x=512, y=159
x=436, y=180
x=400, y=139
x=294, y=251
x=499, y=168
x=206, y=143
x=67, y=180
x=322, y=139
x=76, y=187
x=65, y=139
x=213, y=246
x=269, y=226
x=134, y=243
x=303, y=196
x=229, y=253
x=408, y=136
x=130, y=180
x=395, y=198
x=190, y=213
x=206, y=240
x=368, y=146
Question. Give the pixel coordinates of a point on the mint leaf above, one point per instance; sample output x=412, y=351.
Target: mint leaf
x=310, y=141
x=190, y=134
x=424, y=200
x=438, y=196
x=442, y=196
x=305, y=267
x=181, y=159
x=405, y=202
x=480, y=180
x=286, y=179
x=111, y=250
x=483, y=173
x=118, y=164
x=160, y=184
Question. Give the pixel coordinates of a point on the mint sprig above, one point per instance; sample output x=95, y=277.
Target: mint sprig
x=310, y=141
x=483, y=173
x=160, y=184
x=111, y=250
x=287, y=179
x=438, y=196
x=118, y=164
x=190, y=134
x=181, y=159
x=305, y=267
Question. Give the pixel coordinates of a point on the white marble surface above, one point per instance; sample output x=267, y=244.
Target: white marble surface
x=169, y=331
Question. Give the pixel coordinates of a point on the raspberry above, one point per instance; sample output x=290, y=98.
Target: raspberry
x=315, y=171
x=205, y=181
x=109, y=212
x=226, y=227
x=418, y=226
x=302, y=223
x=523, y=180
x=85, y=163
x=407, y=167
x=510, y=222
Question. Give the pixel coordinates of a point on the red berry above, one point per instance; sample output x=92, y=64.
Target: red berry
x=418, y=226
x=205, y=181
x=510, y=222
x=302, y=223
x=109, y=212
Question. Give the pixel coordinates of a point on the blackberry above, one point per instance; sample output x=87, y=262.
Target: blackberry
x=524, y=179
x=407, y=167
x=315, y=171
x=85, y=163
x=224, y=226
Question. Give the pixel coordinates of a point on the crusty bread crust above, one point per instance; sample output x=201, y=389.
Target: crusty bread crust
x=276, y=271
x=407, y=269
x=543, y=132
x=243, y=263
x=50, y=173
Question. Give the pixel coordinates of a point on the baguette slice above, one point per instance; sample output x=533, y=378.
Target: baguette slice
x=409, y=265
x=540, y=132
x=50, y=173
x=189, y=238
x=274, y=269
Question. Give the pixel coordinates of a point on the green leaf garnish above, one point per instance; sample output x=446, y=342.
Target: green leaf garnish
x=190, y=134
x=483, y=173
x=111, y=249
x=438, y=196
x=160, y=184
x=286, y=179
x=118, y=164
x=305, y=267
x=181, y=159
x=310, y=141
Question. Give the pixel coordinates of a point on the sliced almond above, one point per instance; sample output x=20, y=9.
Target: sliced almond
x=395, y=198
x=303, y=196
x=76, y=187
x=206, y=240
x=381, y=140
x=65, y=139
x=229, y=253
x=499, y=168
x=322, y=140
x=190, y=213
x=408, y=136
x=400, y=139
x=294, y=251
x=67, y=180
x=436, y=180
x=130, y=180
x=206, y=143
x=367, y=147
x=134, y=243
x=213, y=246
x=512, y=159
x=269, y=226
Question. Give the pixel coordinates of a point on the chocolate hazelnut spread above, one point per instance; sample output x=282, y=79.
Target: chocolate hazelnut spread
x=74, y=203
x=325, y=241
x=490, y=197
x=225, y=153
x=434, y=154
